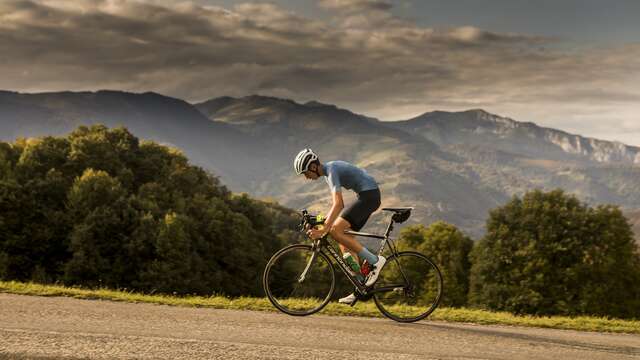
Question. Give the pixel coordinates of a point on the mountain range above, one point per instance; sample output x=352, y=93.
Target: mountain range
x=452, y=166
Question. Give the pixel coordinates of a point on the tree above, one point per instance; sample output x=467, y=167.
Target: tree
x=32, y=217
x=101, y=216
x=449, y=248
x=172, y=268
x=547, y=253
x=8, y=159
x=99, y=207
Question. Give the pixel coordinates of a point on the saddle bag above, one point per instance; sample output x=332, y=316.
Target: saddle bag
x=401, y=217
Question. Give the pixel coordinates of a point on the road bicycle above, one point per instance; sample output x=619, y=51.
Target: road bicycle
x=300, y=279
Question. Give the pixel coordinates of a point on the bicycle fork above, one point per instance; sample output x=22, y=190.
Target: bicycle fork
x=314, y=255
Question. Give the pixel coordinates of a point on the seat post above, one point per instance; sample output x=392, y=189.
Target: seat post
x=389, y=228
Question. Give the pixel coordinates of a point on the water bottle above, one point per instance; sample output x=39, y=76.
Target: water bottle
x=353, y=264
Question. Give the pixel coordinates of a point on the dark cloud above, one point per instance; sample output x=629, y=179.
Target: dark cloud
x=356, y=5
x=365, y=58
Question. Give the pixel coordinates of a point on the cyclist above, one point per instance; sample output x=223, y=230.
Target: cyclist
x=341, y=174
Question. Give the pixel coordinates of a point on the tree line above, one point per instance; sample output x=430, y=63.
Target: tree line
x=545, y=253
x=101, y=208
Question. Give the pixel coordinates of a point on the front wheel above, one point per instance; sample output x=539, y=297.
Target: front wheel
x=409, y=287
x=298, y=280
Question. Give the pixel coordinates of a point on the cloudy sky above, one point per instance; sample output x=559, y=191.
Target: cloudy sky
x=571, y=64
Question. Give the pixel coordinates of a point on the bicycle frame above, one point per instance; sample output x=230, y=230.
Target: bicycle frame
x=393, y=288
x=322, y=244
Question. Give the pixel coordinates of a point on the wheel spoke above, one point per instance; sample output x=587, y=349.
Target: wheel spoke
x=420, y=292
x=286, y=292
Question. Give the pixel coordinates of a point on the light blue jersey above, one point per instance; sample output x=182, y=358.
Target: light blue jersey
x=343, y=174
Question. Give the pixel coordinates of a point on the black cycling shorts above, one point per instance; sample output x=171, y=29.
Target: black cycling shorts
x=358, y=213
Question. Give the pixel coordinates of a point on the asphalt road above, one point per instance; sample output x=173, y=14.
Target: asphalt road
x=48, y=328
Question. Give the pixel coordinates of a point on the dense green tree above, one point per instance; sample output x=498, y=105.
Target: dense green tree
x=101, y=208
x=8, y=159
x=173, y=266
x=548, y=253
x=13, y=255
x=33, y=221
x=449, y=248
x=39, y=156
x=101, y=216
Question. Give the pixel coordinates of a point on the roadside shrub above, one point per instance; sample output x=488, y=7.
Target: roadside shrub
x=449, y=248
x=99, y=207
x=547, y=253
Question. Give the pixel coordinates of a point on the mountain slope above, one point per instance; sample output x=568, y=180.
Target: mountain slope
x=478, y=127
x=149, y=115
x=450, y=166
x=517, y=157
x=471, y=161
x=406, y=166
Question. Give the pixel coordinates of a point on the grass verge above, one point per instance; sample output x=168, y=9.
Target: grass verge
x=368, y=309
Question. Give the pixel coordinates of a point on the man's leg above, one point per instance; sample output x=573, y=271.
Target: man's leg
x=349, y=241
x=345, y=240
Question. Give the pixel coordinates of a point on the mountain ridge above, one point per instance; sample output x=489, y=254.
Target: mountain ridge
x=483, y=124
x=221, y=106
x=158, y=117
x=445, y=166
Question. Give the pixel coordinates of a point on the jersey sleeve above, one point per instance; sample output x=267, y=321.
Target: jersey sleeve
x=333, y=180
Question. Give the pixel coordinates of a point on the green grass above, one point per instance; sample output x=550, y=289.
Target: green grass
x=367, y=309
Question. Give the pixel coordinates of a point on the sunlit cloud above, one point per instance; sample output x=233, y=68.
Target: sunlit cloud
x=363, y=58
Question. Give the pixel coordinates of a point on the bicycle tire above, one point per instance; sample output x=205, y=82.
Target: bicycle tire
x=423, y=272
x=271, y=277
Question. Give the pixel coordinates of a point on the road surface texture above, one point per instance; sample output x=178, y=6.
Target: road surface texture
x=66, y=328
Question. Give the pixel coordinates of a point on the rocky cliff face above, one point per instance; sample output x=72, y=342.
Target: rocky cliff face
x=525, y=138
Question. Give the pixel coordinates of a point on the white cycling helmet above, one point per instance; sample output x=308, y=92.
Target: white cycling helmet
x=303, y=159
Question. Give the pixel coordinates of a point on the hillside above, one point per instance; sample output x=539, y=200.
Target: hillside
x=478, y=127
x=164, y=119
x=411, y=170
x=515, y=157
x=450, y=166
x=465, y=164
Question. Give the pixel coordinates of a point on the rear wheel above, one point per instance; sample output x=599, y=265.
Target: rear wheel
x=411, y=287
x=294, y=285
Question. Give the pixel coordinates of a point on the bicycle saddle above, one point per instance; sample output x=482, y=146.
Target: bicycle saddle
x=398, y=209
x=401, y=213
